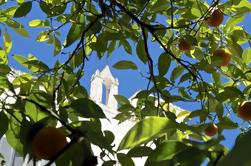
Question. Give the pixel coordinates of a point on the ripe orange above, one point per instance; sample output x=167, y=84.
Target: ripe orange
x=48, y=142
x=224, y=54
x=216, y=18
x=184, y=45
x=244, y=111
x=211, y=130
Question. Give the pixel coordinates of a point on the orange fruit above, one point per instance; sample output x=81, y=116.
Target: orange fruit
x=224, y=54
x=48, y=142
x=211, y=130
x=184, y=45
x=216, y=18
x=244, y=111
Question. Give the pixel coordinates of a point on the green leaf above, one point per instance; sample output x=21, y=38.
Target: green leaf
x=21, y=31
x=141, y=53
x=177, y=71
x=43, y=36
x=140, y=151
x=190, y=156
x=125, y=65
x=94, y=134
x=109, y=136
x=127, y=46
x=3, y=57
x=197, y=53
x=4, y=123
x=5, y=84
x=109, y=163
x=126, y=108
x=86, y=108
x=217, y=78
x=121, y=99
x=69, y=157
x=145, y=131
x=184, y=93
x=52, y=10
x=167, y=150
x=42, y=98
x=75, y=32
x=45, y=7
x=240, y=154
x=232, y=21
x=77, y=59
x=229, y=93
x=13, y=133
x=37, y=64
x=239, y=35
x=164, y=63
x=33, y=112
x=19, y=58
x=17, y=27
x=23, y=9
x=246, y=56
x=215, y=106
x=236, y=49
x=226, y=123
x=39, y=23
x=4, y=69
x=159, y=6
x=31, y=63
x=190, y=39
x=125, y=160
x=7, y=41
x=143, y=94
x=57, y=46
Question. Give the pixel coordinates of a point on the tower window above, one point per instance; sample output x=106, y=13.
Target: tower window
x=104, y=95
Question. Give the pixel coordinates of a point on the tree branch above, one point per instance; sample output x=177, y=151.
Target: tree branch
x=151, y=29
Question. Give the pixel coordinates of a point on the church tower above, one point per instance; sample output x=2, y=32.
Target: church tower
x=104, y=79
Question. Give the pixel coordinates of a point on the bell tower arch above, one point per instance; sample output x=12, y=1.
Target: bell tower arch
x=106, y=79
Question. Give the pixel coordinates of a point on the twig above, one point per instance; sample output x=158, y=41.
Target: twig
x=171, y=1
x=150, y=65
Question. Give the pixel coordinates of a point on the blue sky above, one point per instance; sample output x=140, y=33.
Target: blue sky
x=129, y=81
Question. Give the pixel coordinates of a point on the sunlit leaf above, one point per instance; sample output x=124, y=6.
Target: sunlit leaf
x=146, y=130
x=7, y=41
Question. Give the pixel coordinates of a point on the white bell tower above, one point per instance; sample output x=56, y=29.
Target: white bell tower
x=106, y=79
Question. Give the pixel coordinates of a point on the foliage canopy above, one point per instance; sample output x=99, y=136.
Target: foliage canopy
x=53, y=94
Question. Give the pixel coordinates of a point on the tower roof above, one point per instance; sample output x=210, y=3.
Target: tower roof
x=106, y=73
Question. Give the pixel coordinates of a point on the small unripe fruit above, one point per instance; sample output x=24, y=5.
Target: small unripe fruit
x=224, y=54
x=48, y=142
x=184, y=45
x=211, y=130
x=244, y=111
x=216, y=18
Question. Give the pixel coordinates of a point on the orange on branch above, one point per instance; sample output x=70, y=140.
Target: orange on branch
x=224, y=54
x=215, y=19
x=244, y=111
x=184, y=45
x=48, y=142
x=211, y=130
